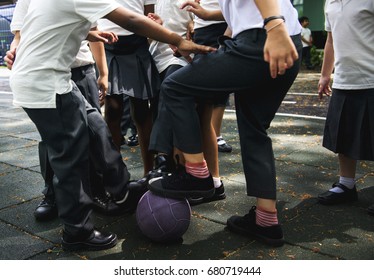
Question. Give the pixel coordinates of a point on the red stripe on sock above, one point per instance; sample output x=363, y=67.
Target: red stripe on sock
x=199, y=170
x=265, y=218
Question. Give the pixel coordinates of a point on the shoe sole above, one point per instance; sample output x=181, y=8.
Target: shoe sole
x=200, y=200
x=82, y=246
x=180, y=194
x=335, y=202
x=269, y=241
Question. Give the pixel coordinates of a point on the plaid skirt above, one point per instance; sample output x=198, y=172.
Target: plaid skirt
x=349, y=127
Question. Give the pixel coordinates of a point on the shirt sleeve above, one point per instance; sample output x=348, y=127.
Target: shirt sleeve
x=19, y=15
x=93, y=10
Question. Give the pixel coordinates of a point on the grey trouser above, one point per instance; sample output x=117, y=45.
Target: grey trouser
x=238, y=66
x=72, y=133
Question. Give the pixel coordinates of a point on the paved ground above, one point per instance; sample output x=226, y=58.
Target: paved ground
x=304, y=169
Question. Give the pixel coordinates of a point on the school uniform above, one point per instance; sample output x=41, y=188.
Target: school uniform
x=238, y=66
x=349, y=128
x=42, y=86
x=131, y=68
x=167, y=64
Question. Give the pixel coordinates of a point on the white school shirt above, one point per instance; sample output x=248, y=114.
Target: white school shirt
x=50, y=39
x=351, y=24
x=210, y=5
x=84, y=56
x=175, y=20
x=242, y=15
x=136, y=6
x=306, y=33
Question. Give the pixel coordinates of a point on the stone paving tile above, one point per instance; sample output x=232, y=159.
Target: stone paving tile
x=17, y=245
x=9, y=143
x=23, y=157
x=19, y=186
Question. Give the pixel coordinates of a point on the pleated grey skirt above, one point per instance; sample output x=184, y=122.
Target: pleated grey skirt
x=132, y=70
x=349, y=127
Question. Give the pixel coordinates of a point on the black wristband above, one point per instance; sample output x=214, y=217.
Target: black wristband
x=268, y=19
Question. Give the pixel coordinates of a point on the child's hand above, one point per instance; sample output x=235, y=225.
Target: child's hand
x=185, y=48
x=279, y=51
x=190, y=30
x=10, y=57
x=102, y=36
x=324, y=87
x=194, y=7
x=156, y=18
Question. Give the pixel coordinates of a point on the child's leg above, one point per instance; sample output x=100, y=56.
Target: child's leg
x=141, y=112
x=208, y=138
x=113, y=116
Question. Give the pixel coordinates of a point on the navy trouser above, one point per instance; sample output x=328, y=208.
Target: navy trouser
x=238, y=66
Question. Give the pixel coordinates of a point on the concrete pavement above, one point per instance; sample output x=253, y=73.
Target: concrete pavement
x=304, y=169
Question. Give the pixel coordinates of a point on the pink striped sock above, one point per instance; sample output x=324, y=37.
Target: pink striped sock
x=265, y=218
x=199, y=170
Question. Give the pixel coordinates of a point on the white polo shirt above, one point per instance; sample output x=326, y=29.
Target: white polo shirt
x=242, y=15
x=176, y=20
x=50, y=40
x=136, y=6
x=84, y=56
x=352, y=25
x=210, y=5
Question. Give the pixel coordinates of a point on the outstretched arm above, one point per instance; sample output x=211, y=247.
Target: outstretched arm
x=146, y=27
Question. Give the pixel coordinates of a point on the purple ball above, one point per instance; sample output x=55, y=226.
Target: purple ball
x=163, y=219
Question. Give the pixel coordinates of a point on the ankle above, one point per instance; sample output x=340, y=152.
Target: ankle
x=199, y=170
x=266, y=218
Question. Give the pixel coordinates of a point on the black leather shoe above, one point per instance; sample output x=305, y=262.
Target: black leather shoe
x=94, y=242
x=46, y=210
x=224, y=147
x=133, y=140
x=332, y=198
x=105, y=205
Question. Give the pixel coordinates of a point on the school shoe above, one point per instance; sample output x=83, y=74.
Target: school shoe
x=223, y=147
x=95, y=241
x=127, y=203
x=181, y=184
x=246, y=225
x=162, y=166
x=46, y=210
x=332, y=198
x=219, y=194
x=133, y=140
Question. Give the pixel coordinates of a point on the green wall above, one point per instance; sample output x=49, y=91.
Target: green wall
x=313, y=9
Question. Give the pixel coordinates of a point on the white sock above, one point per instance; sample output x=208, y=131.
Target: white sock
x=220, y=140
x=348, y=182
x=217, y=182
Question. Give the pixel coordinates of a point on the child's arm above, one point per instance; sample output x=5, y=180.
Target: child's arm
x=194, y=7
x=144, y=26
x=327, y=67
x=279, y=49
